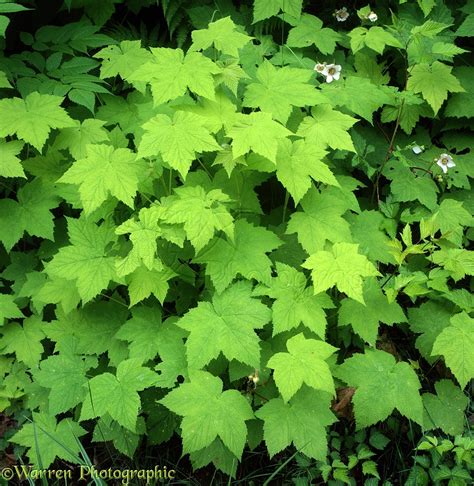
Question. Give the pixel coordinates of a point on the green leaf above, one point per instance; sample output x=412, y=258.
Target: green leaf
x=143, y=282
x=31, y=213
x=461, y=104
x=24, y=340
x=309, y=31
x=171, y=74
x=301, y=422
x=65, y=375
x=456, y=344
x=434, y=82
x=445, y=410
x=320, y=221
x=202, y=213
x=246, y=255
x=117, y=394
x=466, y=28
x=300, y=162
x=277, y=90
x=10, y=164
x=85, y=261
x=47, y=440
x=257, y=132
x=294, y=302
x=223, y=35
x=264, y=9
x=33, y=118
x=343, y=267
x=103, y=172
x=458, y=262
x=365, y=319
x=328, y=127
x=376, y=374
x=8, y=308
x=177, y=139
x=208, y=412
x=76, y=139
x=375, y=38
x=226, y=325
x=305, y=362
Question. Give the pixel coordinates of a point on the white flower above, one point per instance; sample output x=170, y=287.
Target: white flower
x=341, y=15
x=372, y=17
x=417, y=149
x=445, y=161
x=333, y=72
x=321, y=68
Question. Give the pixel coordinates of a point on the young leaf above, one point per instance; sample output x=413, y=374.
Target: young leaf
x=33, y=118
x=117, y=394
x=456, y=344
x=304, y=363
x=376, y=374
x=343, y=267
x=230, y=320
x=208, y=412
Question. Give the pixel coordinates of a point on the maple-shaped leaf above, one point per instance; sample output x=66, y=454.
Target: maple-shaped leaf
x=31, y=213
x=230, y=319
x=259, y=133
x=376, y=374
x=103, y=172
x=171, y=74
x=309, y=31
x=294, y=302
x=451, y=218
x=8, y=308
x=117, y=394
x=33, y=118
x=446, y=409
x=146, y=333
x=305, y=362
x=434, y=82
x=328, y=127
x=143, y=234
x=202, y=213
x=245, y=255
x=208, y=413
x=459, y=262
x=65, y=375
x=217, y=454
x=300, y=162
x=409, y=186
x=301, y=422
x=375, y=38
x=367, y=230
x=456, y=344
x=359, y=95
x=264, y=9
x=365, y=319
x=343, y=267
x=143, y=282
x=277, y=90
x=85, y=260
x=461, y=104
x=10, y=164
x=47, y=440
x=177, y=139
x=320, y=221
x=223, y=35
x=75, y=139
x=24, y=340
x=122, y=59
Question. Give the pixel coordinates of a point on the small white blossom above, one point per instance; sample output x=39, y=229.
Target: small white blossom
x=417, y=149
x=321, y=68
x=333, y=72
x=373, y=17
x=341, y=15
x=445, y=161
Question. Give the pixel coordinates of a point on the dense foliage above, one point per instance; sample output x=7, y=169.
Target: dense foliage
x=243, y=224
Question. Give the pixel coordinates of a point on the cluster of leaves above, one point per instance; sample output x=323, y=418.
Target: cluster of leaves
x=211, y=240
